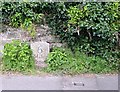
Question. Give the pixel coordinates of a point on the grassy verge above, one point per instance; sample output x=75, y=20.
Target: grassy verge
x=63, y=61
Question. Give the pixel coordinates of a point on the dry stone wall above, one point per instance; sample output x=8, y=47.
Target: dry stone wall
x=43, y=36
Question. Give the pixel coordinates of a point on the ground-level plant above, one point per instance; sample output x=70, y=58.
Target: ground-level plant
x=17, y=56
x=65, y=61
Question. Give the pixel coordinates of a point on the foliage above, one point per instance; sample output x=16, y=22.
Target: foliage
x=97, y=20
x=61, y=59
x=56, y=59
x=17, y=56
x=21, y=13
x=101, y=20
x=29, y=26
x=91, y=28
x=16, y=19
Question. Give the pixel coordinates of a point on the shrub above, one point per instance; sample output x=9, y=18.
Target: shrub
x=16, y=19
x=19, y=14
x=90, y=27
x=29, y=26
x=56, y=59
x=62, y=59
x=15, y=11
x=17, y=56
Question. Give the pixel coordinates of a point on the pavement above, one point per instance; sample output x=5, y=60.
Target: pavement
x=95, y=82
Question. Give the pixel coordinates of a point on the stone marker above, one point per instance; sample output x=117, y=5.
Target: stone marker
x=40, y=51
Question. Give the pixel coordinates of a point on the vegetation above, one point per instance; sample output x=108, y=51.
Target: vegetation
x=21, y=14
x=17, y=56
x=57, y=59
x=61, y=59
x=90, y=29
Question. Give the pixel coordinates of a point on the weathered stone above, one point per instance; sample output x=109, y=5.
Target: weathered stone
x=3, y=36
x=3, y=42
x=41, y=32
x=40, y=51
x=57, y=45
x=48, y=38
x=45, y=27
x=12, y=35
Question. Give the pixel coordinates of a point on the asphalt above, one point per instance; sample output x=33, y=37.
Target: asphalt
x=96, y=82
x=0, y=84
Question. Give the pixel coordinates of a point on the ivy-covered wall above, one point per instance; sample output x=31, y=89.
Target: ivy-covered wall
x=92, y=28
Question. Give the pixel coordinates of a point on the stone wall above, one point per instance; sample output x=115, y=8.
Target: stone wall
x=43, y=35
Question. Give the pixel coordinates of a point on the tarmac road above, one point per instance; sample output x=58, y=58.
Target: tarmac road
x=96, y=82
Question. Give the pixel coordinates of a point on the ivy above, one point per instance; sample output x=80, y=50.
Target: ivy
x=23, y=14
x=91, y=28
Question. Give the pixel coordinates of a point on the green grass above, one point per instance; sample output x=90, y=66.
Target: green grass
x=77, y=63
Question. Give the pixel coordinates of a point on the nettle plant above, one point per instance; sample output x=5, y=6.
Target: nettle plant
x=17, y=56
